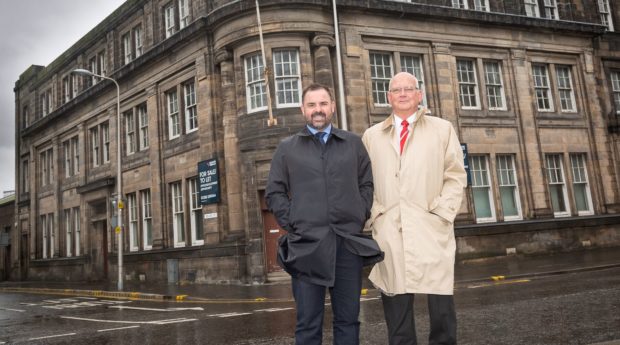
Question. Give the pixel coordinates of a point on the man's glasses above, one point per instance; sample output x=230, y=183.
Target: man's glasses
x=398, y=90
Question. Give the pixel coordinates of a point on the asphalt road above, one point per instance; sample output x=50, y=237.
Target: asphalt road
x=575, y=308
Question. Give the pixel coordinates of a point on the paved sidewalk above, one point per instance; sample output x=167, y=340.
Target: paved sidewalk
x=478, y=270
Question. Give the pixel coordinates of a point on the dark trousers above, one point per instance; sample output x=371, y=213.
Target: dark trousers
x=345, y=301
x=400, y=320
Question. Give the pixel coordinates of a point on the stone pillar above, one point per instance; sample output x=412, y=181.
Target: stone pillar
x=532, y=159
x=602, y=149
x=232, y=169
x=323, y=70
x=158, y=175
x=448, y=104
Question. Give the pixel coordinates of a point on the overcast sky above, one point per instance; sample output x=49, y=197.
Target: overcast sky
x=35, y=32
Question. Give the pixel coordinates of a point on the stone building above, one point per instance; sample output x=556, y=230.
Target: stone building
x=8, y=261
x=532, y=87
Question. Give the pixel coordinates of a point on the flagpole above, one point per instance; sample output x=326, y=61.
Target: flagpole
x=272, y=121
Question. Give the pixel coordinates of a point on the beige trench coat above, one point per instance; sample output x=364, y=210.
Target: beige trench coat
x=416, y=198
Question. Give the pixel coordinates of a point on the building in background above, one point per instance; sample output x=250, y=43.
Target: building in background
x=8, y=260
x=532, y=87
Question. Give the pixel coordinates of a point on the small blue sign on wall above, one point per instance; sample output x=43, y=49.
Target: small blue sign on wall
x=466, y=163
x=209, y=182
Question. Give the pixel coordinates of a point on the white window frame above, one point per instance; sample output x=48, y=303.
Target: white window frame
x=44, y=236
x=52, y=234
x=147, y=219
x=494, y=81
x=191, y=111
x=531, y=8
x=169, y=20
x=381, y=71
x=95, y=146
x=287, y=77
x=132, y=213
x=68, y=158
x=412, y=63
x=468, y=81
x=93, y=68
x=555, y=176
x=47, y=166
x=105, y=136
x=172, y=106
x=127, y=54
x=551, y=9
x=130, y=133
x=196, y=211
x=255, y=90
x=542, y=87
x=66, y=93
x=178, y=217
x=68, y=232
x=479, y=166
x=566, y=91
x=183, y=13
x=462, y=4
x=482, y=5
x=507, y=178
x=605, y=14
x=615, y=89
x=101, y=62
x=143, y=124
x=579, y=171
x=137, y=41
x=77, y=231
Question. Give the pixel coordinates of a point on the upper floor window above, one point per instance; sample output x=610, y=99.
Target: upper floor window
x=551, y=9
x=482, y=5
x=25, y=174
x=25, y=117
x=46, y=163
x=72, y=157
x=615, y=89
x=97, y=65
x=100, y=144
x=496, y=97
x=132, y=44
x=127, y=54
x=169, y=20
x=562, y=89
x=191, y=114
x=136, y=129
x=256, y=93
x=605, y=14
x=531, y=8
x=46, y=102
x=174, y=126
x=287, y=77
x=183, y=13
x=468, y=84
x=460, y=4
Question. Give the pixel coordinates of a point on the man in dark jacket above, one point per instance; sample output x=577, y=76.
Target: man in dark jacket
x=320, y=190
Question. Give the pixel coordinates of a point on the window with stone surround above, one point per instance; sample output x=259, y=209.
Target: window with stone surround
x=554, y=88
x=172, y=104
x=531, y=8
x=557, y=185
x=25, y=176
x=136, y=129
x=147, y=219
x=191, y=113
x=181, y=110
x=481, y=189
x=508, y=187
x=46, y=102
x=468, y=84
x=383, y=65
x=481, y=84
x=99, y=137
x=178, y=216
x=196, y=227
x=130, y=132
x=482, y=5
x=169, y=19
x=132, y=214
x=176, y=16
x=460, y=4
x=46, y=165
x=551, y=9
x=72, y=156
x=48, y=236
x=581, y=184
x=72, y=232
x=256, y=93
x=287, y=77
x=605, y=14
x=615, y=89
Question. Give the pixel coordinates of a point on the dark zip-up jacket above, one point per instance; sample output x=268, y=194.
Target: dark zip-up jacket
x=318, y=192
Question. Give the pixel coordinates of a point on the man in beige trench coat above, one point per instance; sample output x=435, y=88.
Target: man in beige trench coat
x=419, y=176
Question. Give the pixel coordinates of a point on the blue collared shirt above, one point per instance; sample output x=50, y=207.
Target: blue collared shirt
x=327, y=130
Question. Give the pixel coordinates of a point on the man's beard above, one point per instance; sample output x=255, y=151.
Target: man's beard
x=319, y=127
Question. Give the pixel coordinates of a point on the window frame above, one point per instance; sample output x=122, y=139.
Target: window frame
x=581, y=177
x=380, y=95
x=482, y=5
x=615, y=89
x=190, y=106
x=169, y=19
x=548, y=87
x=254, y=67
x=460, y=4
x=551, y=9
x=510, y=169
x=530, y=5
x=557, y=167
x=468, y=83
x=178, y=214
x=485, y=172
x=147, y=219
x=195, y=212
x=605, y=14
x=293, y=78
x=172, y=114
x=132, y=216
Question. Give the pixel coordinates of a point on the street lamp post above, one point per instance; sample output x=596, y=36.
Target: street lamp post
x=119, y=178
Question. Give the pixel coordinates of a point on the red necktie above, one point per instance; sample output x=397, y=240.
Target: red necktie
x=403, y=134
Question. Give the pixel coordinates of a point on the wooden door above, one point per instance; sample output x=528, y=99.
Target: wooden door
x=272, y=232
